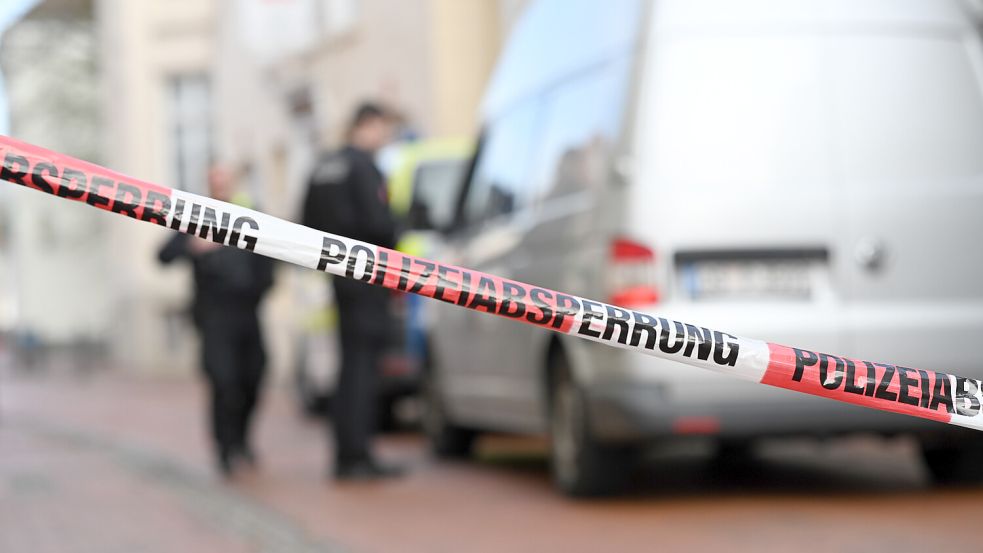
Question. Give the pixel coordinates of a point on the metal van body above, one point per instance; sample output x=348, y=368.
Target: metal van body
x=804, y=172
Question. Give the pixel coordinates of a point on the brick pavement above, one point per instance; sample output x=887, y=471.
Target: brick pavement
x=107, y=462
x=86, y=475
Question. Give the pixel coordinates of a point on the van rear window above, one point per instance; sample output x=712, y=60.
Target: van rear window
x=775, y=110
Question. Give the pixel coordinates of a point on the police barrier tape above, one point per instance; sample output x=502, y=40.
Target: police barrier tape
x=922, y=393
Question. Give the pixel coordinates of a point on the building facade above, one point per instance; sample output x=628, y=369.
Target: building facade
x=57, y=289
x=156, y=59
x=159, y=90
x=288, y=74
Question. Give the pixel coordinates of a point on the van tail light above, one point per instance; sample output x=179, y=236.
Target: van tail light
x=632, y=274
x=696, y=425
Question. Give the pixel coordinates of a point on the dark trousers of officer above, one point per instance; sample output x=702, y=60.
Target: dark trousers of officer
x=234, y=362
x=363, y=317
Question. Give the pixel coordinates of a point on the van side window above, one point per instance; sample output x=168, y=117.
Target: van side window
x=499, y=181
x=583, y=121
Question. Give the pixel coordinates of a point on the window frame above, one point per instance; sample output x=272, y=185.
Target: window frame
x=535, y=102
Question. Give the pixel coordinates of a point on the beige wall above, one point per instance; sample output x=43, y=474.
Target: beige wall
x=385, y=55
x=53, y=271
x=464, y=44
x=429, y=58
x=144, y=43
x=254, y=137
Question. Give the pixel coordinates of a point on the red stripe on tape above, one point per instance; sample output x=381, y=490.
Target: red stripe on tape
x=921, y=393
x=70, y=178
x=932, y=395
x=478, y=291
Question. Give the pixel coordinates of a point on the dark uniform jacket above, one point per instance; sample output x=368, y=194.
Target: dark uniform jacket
x=347, y=196
x=228, y=281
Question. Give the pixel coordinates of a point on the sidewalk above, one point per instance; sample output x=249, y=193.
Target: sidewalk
x=91, y=465
x=105, y=462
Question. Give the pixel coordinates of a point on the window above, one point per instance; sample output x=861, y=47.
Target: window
x=583, y=120
x=799, y=110
x=435, y=185
x=499, y=184
x=191, y=141
x=339, y=16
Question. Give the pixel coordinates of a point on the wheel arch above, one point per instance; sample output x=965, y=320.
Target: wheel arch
x=558, y=345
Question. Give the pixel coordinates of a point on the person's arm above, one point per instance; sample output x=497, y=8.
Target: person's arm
x=377, y=225
x=263, y=273
x=175, y=248
x=327, y=205
x=309, y=210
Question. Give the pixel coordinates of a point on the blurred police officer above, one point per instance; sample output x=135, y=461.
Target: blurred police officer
x=228, y=286
x=347, y=196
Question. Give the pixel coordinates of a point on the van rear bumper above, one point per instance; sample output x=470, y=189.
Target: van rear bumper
x=635, y=397
x=646, y=412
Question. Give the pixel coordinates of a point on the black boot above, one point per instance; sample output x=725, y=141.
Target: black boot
x=224, y=462
x=365, y=469
x=243, y=452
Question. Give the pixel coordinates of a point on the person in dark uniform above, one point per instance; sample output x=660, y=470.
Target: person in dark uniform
x=228, y=286
x=347, y=196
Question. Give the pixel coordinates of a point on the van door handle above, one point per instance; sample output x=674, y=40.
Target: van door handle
x=870, y=254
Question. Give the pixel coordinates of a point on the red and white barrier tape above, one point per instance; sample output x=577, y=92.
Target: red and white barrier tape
x=922, y=393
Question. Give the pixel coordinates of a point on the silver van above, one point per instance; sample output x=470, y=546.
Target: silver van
x=807, y=172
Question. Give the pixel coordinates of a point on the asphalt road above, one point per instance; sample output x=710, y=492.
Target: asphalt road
x=103, y=462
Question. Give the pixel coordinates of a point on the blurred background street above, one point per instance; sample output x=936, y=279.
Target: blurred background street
x=806, y=172
x=72, y=470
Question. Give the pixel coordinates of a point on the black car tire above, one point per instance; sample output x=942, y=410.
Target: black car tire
x=313, y=403
x=386, y=417
x=580, y=465
x=734, y=452
x=447, y=440
x=954, y=459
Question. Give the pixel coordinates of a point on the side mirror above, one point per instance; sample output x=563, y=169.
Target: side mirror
x=418, y=217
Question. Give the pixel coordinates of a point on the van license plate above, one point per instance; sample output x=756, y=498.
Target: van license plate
x=748, y=279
